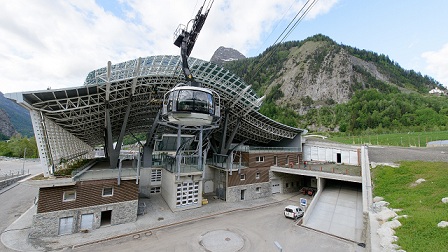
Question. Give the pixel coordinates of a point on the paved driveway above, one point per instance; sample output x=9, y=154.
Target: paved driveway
x=249, y=230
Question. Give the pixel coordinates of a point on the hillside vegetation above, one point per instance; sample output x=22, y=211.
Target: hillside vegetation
x=421, y=203
x=323, y=86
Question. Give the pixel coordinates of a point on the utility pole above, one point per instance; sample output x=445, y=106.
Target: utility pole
x=23, y=166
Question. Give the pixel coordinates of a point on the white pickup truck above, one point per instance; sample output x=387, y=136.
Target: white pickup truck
x=293, y=212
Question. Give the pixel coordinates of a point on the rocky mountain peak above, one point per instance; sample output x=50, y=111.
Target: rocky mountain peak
x=224, y=54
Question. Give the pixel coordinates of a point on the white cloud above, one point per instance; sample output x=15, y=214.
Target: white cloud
x=56, y=43
x=437, y=64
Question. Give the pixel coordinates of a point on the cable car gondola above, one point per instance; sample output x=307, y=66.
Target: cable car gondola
x=191, y=106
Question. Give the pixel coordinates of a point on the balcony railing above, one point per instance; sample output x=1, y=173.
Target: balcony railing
x=107, y=174
x=352, y=170
x=188, y=164
x=257, y=149
x=223, y=162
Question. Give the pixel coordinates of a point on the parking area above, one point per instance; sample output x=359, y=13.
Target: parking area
x=256, y=228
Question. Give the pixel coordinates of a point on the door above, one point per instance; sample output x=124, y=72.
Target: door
x=338, y=158
x=106, y=217
x=86, y=221
x=275, y=186
x=65, y=225
x=208, y=186
x=242, y=194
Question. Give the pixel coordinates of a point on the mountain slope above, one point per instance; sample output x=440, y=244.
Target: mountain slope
x=317, y=71
x=17, y=116
x=319, y=85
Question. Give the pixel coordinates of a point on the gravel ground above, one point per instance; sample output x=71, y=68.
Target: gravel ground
x=381, y=154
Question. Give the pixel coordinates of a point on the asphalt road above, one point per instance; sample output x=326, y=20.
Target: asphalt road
x=17, y=198
x=13, y=203
x=381, y=154
x=253, y=230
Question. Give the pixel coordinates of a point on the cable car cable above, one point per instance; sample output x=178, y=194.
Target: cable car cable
x=264, y=60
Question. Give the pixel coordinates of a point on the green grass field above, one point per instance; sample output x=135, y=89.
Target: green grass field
x=422, y=203
x=410, y=139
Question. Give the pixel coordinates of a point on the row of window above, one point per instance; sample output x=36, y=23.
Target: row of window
x=243, y=176
x=260, y=159
x=71, y=195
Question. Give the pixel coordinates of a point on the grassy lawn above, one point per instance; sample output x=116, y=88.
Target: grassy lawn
x=422, y=203
x=416, y=139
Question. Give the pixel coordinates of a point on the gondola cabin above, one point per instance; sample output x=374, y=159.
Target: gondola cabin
x=191, y=106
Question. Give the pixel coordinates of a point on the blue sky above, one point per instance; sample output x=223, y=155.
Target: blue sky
x=55, y=43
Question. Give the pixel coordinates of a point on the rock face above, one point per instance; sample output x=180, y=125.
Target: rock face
x=224, y=54
x=14, y=118
x=6, y=127
x=324, y=72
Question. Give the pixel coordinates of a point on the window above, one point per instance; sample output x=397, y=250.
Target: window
x=155, y=189
x=257, y=175
x=69, y=196
x=108, y=191
x=156, y=175
x=287, y=185
x=259, y=159
x=258, y=189
x=242, y=176
x=187, y=193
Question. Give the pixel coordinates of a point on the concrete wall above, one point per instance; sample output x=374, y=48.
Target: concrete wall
x=10, y=181
x=328, y=152
x=168, y=188
x=145, y=181
x=233, y=194
x=47, y=224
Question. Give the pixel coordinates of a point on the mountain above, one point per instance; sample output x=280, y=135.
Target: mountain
x=319, y=85
x=14, y=119
x=317, y=71
x=223, y=54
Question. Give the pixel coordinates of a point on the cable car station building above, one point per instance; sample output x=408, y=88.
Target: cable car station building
x=228, y=154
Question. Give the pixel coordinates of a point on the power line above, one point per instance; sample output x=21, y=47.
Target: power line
x=296, y=21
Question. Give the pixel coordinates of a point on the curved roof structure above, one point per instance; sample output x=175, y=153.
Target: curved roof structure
x=81, y=111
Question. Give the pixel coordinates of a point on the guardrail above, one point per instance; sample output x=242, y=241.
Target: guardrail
x=11, y=174
x=351, y=170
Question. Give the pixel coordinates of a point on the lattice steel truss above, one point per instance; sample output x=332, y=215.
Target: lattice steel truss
x=80, y=111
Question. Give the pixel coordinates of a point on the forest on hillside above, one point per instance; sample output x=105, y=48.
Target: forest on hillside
x=382, y=113
x=19, y=146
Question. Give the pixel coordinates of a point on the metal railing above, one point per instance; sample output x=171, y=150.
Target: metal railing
x=13, y=174
x=223, y=162
x=257, y=149
x=107, y=174
x=187, y=164
x=352, y=170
